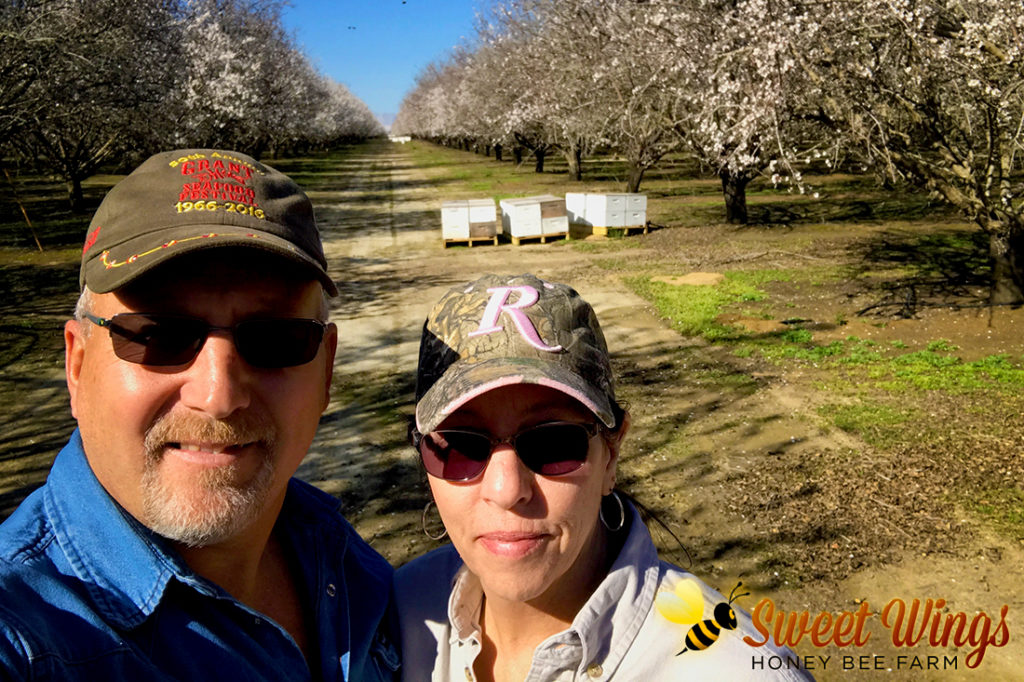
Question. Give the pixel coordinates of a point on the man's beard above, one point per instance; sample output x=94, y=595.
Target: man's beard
x=212, y=506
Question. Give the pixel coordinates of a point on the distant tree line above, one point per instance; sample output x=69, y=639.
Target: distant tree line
x=929, y=92
x=84, y=80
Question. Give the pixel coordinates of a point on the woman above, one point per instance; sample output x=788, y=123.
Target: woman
x=551, y=575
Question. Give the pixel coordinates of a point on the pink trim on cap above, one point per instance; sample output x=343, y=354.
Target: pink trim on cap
x=571, y=392
x=514, y=381
x=480, y=390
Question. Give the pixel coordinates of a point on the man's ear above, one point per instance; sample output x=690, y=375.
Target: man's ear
x=74, y=356
x=330, y=348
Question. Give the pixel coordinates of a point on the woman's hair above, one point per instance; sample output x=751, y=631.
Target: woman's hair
x=652, y=520
x=647, y=515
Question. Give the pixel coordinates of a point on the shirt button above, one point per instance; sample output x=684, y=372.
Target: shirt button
x=331, y=590
x=595, y=670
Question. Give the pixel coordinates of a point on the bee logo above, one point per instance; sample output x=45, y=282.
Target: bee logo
x=685, y=605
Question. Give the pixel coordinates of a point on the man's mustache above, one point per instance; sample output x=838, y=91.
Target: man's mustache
x=182, y=427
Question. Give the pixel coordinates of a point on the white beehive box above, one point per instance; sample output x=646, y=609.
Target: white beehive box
x=576, y=207
x=607, y=210
x=467, y=219
x=534, y=216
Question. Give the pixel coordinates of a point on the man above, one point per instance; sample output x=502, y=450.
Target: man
x=170, y=540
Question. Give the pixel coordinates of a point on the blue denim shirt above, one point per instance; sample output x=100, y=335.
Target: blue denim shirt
x=88, y=593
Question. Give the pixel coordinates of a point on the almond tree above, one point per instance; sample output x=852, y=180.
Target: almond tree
x=109, y=77
x=634, y=82
x=340, y=117
x=245, y=85
x=933, y=92
x=741, y=105
x=27, y=43
x=428, y=110
x=84, y=81
x=547, y=78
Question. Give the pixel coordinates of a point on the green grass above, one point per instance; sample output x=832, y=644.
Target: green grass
x=1004, y=507
x=881, y=367
x=693, y=310
x=877, y=424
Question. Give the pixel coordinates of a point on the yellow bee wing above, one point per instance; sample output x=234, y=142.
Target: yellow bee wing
x=683, y=605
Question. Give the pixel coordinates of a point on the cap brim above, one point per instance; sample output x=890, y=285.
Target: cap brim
x=460, y=384
x=112, y=269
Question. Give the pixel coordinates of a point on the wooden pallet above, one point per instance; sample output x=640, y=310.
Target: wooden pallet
x=542, y=238
x=625, y=231
x=471, y=241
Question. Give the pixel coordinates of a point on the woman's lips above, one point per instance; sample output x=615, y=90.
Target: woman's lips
x=512, y=545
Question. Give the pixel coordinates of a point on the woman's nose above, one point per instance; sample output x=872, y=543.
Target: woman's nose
x=506, y=480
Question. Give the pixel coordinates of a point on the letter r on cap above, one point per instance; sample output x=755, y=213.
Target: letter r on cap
x=499, y=304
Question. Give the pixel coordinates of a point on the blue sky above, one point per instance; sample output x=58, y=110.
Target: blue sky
x=389, y=44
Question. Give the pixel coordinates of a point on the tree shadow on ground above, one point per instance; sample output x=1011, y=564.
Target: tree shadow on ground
x=362, y=456
x=34, y=416
x=904, y=270
x=363, y=291
x=848, y=209
x=698, y=400
x=53, y=221
x=340, y=222
x=51, y=289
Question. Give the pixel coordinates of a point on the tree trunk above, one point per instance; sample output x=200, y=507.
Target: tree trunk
x=75, y=196
x=517, y=154
x=539, y=153
x=497, y=152
x=574, y=157
x=487, y=150
x=735, y=189
x=636, y=174
x=1007, y=252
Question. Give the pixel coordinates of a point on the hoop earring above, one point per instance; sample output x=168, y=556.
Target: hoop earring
x=622, y=513
x=424, y=523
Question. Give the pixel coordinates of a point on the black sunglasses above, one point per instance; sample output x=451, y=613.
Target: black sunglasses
x=164, y=340
x=551, y=449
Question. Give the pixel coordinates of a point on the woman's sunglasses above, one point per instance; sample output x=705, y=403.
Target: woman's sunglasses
x=551, y=449
x=164, y=340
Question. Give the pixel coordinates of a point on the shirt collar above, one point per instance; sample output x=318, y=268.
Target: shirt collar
x=464, y=606
x=610, y=620
x=123, y=566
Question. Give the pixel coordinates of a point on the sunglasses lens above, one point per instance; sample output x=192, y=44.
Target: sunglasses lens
x=549, y=450
x=152, y=340
x=455, y=455
x=164, y=340
x=278, y=343
x=554, y=449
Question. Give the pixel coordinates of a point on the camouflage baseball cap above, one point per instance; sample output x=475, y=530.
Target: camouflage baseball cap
x=503, y=330
x=183, y=201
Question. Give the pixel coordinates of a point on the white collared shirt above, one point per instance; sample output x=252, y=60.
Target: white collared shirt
x=617, y=635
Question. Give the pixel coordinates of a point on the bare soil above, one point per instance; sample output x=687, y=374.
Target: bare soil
x=730, y=452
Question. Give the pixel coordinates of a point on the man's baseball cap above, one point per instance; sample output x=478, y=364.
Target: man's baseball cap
x=505, y=330
x=184, y=201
